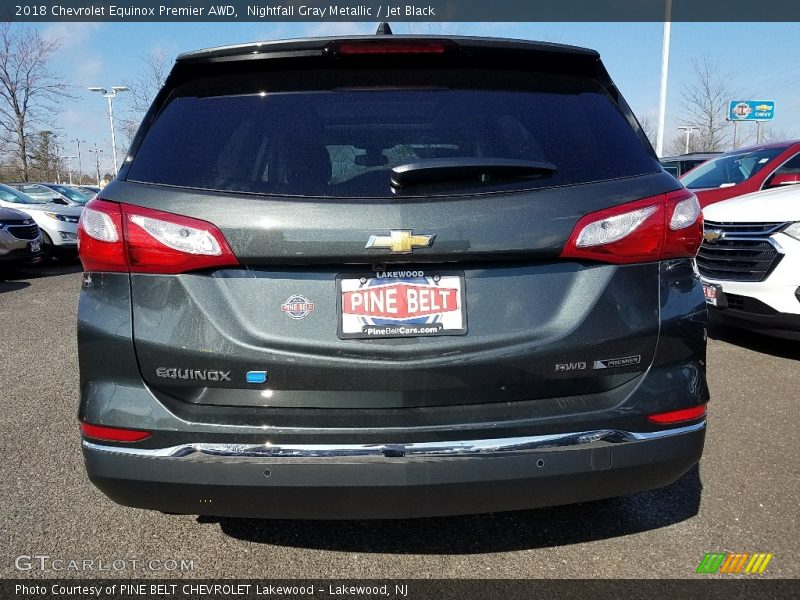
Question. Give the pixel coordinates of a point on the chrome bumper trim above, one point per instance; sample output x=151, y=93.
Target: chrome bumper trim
x=583, y=439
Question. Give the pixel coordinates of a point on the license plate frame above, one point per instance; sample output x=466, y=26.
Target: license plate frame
x=373, y=327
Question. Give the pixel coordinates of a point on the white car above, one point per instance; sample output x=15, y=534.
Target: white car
x=750, y=261
x=59, y=223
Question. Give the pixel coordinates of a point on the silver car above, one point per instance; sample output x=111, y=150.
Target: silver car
x=58, y=223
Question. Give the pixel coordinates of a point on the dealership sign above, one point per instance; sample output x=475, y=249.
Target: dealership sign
x=751, y=110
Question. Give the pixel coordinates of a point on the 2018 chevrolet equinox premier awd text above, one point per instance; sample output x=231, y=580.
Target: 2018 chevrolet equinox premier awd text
x=386, y=277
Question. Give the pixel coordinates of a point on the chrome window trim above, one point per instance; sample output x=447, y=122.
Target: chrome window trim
x=560, y=441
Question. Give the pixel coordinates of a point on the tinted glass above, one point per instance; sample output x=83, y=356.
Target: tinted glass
x=672, y=169
x=73, y=195
x=9, y=194
x=37, y=192
x=790, y=167
x=730, y=169
x=343, y=142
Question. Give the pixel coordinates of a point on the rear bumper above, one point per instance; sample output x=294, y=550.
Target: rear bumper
x=393, y=480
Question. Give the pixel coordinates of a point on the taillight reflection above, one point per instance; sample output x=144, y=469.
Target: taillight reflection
x=679, y=416
x=113, y=434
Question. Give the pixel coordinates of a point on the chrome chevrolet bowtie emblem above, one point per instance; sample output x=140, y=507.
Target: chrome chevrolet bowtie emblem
x=712, y=235
x=401, y=241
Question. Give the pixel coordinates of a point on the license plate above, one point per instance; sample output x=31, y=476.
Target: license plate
x=711, y=294
x=36, y=246
x=391, y=304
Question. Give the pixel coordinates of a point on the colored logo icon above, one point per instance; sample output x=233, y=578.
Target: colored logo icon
x=734, y=562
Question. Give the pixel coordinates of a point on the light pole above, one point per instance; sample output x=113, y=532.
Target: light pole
x=79, y=141
x=96, y=152
x=111, y=95
x=688, y=130
x=69, y=166
x=662, y=97
x=58, y=164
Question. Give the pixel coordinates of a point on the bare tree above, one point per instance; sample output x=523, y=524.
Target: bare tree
x=705, y=105
x=29, y=90
x=649, y=129
x=143, y=89
x=677, y=144
x=772, y=134
x=44, y=161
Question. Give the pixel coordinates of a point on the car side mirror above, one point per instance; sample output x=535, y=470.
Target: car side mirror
x=784, y=179
x=60, y=201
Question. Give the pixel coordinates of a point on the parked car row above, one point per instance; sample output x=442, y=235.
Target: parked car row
x=749, y=261
x=38, y=222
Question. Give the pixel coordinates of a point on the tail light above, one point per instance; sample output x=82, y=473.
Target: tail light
x=100, y=242
x=678, y=416
x=125, y=238
x=113, y=434
x=656, y=228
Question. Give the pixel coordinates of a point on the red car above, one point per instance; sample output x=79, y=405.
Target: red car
x=745, y=170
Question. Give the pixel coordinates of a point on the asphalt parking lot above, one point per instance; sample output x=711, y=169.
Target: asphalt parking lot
x=744, y=496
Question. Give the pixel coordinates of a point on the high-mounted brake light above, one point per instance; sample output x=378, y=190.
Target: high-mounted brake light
x=677, y=416
x=390, y=47
x=113, y=434
x=664, y=226
x=122, y=237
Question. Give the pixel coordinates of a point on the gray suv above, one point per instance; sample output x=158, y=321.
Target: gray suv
x=20, y=240
x=390, y=276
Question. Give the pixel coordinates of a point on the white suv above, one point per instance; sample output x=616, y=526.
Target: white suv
x=750, y=261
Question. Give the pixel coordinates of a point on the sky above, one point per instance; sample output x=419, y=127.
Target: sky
x=759, y=60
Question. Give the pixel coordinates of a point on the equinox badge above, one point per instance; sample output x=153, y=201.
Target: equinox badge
x=401, y=241
x=193, y=374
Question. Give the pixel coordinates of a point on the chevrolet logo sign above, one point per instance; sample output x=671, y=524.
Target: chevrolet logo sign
x=712, y=235
x=401, y=241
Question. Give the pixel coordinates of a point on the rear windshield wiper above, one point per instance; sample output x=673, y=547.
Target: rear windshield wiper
x=461, y=170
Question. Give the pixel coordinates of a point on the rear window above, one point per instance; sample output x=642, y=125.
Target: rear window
x=259, y=135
